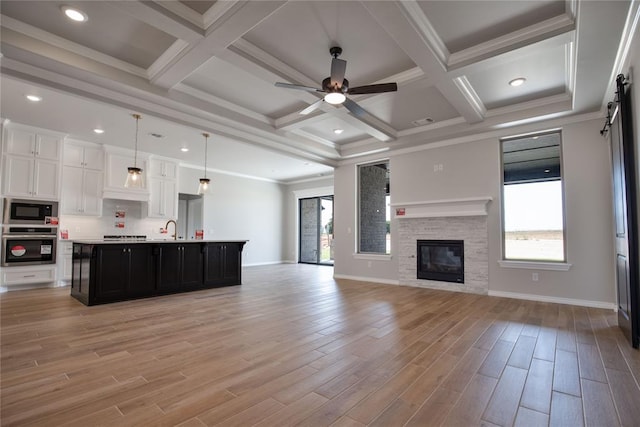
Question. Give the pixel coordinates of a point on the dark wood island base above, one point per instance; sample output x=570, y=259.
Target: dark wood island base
x=105, y=272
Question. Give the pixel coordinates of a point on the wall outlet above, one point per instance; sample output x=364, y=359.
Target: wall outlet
x=534, y=277
x=438, y=167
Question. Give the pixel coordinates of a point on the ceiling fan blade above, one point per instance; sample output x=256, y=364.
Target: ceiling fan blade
x=312, y=107
x=378, y=88
x=299, y=87
x=338, y=68
x=354, y=108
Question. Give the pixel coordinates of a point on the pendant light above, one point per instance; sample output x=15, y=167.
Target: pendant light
x=134, y=175
x=203, y=188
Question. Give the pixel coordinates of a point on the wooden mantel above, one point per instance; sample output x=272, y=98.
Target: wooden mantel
x=470, y=206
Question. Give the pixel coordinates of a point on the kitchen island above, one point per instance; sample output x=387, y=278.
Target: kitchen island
x=109, y=271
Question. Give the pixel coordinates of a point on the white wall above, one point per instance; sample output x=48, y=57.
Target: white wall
x=238, y=208
x=473, y=170
x=290, y=220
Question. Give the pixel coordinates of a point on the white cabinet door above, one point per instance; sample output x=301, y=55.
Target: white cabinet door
x=92, y=192
x=46, y=179
x=21, y=142
x=71, y=202
x=93, y=158
x=170, y=170
x=117, y=165
x=47, y=147
x=163, y=198
x=73, y=155
x=156, y=198
x=18, y=176
x=171, y=199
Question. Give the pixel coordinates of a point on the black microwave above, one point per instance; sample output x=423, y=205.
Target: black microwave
x=22, y=211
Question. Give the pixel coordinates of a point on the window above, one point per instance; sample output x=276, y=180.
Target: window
x=373, y=209
x=532, y=198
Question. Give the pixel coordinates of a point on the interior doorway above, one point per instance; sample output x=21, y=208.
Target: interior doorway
x=189, y=215
x=316, y=230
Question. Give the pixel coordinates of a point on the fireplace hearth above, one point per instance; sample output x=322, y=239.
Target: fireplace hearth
x=441, y=260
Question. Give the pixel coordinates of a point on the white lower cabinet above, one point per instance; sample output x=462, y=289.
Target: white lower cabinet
x=65, y=261
x=28, y=275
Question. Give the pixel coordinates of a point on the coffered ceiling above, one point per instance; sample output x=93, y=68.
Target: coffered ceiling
x=211, y=65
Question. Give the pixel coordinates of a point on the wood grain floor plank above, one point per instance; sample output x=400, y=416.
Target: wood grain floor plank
x=590, y=363
x=496, y=359
x=599, y=409
x=503, y=405
x=538, y=386
x=566, y=375
x=522, y=352
x=566, y=410
x=472, y=403
x=626, y=396
x=529, y=418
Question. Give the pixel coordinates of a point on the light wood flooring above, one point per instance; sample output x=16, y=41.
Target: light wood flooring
x=294, y=347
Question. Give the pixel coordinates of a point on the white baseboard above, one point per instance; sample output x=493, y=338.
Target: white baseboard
x=557, y=300
x=256, y=264
x=366, y=279
x=289, y=261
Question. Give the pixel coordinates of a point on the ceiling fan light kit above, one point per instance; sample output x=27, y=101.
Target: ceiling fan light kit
x=337, y=88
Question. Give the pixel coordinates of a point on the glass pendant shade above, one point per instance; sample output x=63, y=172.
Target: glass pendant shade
x=134, y=173
x=203, y=187
x=134, y=178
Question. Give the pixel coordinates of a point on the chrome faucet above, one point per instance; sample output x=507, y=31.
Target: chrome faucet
x=175, y=228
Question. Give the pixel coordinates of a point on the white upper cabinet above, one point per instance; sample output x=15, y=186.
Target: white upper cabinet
x=163, y=169
x=33, y=144
x=163, y=187
x=31, y=163
x=82, y=179
x=83, y=156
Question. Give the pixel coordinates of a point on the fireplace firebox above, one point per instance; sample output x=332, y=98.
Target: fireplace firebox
x=441, y=260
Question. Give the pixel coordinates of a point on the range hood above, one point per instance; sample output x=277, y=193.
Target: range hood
x=126, y=194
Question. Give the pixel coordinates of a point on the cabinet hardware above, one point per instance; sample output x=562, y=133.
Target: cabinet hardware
x=29, y=275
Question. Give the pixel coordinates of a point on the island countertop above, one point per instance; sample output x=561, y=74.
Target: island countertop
x=147, y=241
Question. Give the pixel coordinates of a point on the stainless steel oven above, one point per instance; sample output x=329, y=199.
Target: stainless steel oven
x=36, y=212
x=28, y=245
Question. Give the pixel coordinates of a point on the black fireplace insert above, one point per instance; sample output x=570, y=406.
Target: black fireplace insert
x=441, y=260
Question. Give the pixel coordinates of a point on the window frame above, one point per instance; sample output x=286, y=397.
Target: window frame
x=543, y=264
x=359, y=254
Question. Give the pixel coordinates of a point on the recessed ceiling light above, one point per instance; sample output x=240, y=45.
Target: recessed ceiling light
x=535, y=137
x=338, y=131
x=99, y=131
x=34, y=98
x=547, y=170
x=517, y=82
x=74, y=14
x=184, y=149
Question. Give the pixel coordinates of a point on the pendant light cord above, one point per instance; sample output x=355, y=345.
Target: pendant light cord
x=135, y=154
x=206, y=138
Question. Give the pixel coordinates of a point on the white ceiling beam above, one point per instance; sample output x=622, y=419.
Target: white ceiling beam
x=552, y=27
x=161, y=18
x=407, y=24
x=238, y=20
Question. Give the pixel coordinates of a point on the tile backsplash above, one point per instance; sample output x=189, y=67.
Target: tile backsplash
x=135, y=221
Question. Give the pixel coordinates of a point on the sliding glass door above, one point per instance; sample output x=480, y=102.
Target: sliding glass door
x=316, y=230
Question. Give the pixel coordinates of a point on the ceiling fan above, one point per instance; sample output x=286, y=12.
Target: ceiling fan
x=337, y=87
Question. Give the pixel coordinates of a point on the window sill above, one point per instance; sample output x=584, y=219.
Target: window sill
x=536, y=265
x=373, y=257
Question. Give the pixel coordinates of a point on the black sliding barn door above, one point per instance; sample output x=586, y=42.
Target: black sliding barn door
x=624, y=197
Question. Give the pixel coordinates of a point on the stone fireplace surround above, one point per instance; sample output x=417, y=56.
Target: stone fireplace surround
x=452, y=219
